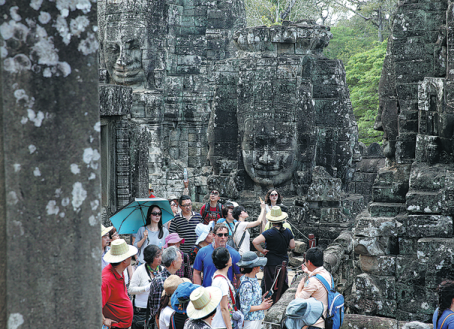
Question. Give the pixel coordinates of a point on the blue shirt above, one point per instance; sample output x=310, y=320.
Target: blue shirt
x=204, y=263
x=250, y=295
x=230, y=226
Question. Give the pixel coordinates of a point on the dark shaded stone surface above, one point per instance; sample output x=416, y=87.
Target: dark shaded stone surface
x=50, y=162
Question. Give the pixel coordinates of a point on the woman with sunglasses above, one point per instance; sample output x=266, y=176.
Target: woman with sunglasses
x=273, y=198
x=153, y=232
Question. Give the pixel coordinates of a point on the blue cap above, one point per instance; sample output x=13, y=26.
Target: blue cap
x=180, y=298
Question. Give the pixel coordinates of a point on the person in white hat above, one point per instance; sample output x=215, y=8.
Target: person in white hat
x=202, y=307
x=205, y=237
x=117, y=311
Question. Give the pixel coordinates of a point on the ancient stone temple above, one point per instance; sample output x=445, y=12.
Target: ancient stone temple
x=405, y=241
x=185, y=85
x=155, y=96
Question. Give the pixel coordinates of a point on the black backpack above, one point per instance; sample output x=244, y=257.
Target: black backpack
x=213, y=215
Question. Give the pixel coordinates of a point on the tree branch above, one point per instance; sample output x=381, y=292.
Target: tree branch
x=357, y=13
x=287, y=11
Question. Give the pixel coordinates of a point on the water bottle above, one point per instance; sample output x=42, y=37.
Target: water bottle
x=185, y=174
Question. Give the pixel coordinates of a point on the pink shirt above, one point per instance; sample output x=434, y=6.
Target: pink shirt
x=314, y=288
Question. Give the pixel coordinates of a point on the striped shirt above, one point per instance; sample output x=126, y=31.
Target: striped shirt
x=186, y=229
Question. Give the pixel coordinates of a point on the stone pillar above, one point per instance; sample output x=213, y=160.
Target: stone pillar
x=50, y=247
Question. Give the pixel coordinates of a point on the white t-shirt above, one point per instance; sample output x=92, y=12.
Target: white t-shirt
x=245, y=245
x=223, y=284
x=164, y=317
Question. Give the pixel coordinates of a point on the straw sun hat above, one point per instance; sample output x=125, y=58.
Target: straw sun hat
x=276, y=215
x=203, y=302
x=119, y=251
x=105, y=230
x=171, y=284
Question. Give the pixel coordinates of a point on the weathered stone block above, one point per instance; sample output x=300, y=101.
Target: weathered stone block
x=300, y=247
x=438, y=254
x=418, y=226
x=413, y=299
x=368, y=322
x=424, y=202
x=409, y=270
x=381, y=209
x=376, y=294
x=378, y=265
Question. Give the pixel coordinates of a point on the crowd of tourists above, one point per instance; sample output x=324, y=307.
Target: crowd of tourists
x=198, y=272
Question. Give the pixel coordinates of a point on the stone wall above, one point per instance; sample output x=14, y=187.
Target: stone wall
x=405, y=241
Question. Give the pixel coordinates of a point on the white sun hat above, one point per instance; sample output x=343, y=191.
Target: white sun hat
x=105, y=230
x=119, y=251
x=203, y=302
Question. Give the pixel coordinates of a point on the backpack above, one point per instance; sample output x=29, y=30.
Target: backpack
x=335, y=312
x=209, y=215
x=237, y=294
x=444, y=320
x=231, y=241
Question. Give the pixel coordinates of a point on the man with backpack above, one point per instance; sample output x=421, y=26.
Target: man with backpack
x=211, y=211
x=319, y=284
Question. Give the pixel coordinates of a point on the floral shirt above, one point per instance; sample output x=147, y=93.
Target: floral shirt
x=250, y=295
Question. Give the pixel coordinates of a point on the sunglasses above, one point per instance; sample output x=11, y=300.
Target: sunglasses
x=156, y=213
x=187, y=205
x=222, y=235
x=214, y=193
x=273, y=194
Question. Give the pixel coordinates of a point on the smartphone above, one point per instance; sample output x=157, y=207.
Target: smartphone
x=269, y=294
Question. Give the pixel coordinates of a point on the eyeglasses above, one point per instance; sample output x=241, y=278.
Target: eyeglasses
x=273, y=194
x=222, y=235
x=156, y=213
x=214, y=193
x=187, y=205
x=173, y=204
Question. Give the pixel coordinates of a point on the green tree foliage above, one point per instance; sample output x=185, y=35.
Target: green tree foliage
x=350, y=38
x=363, y=76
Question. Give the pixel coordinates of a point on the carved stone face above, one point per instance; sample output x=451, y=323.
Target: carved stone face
x=123, y=48
x=270, y=151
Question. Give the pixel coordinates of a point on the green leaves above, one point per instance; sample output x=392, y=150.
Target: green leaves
x=363, y=76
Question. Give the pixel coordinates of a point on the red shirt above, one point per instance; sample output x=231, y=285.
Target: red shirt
x=116, y=304
x=212, y=215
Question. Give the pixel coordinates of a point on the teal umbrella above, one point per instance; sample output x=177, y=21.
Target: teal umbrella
x=130, y=218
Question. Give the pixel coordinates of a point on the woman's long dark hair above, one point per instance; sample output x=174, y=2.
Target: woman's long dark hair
x=279, y=226
x=445, y=296
x=148, y=221
x=164, y=302
x=268, y=200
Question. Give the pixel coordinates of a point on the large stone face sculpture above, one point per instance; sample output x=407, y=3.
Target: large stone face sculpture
x=124, y=45
x=289, y=107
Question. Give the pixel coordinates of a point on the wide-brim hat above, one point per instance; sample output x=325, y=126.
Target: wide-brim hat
x=276, y=215
x=303, y=312
x=173, y=238
x=119, y=251
x=250, y=260
x=203, y=302
x=202, y=232
x=171, y=284
x=105, y=230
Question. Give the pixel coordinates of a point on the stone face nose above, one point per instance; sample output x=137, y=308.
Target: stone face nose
x=266, y=158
